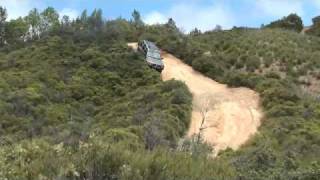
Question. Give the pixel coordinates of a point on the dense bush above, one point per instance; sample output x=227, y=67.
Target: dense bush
x=292, y=22
x=315, y=28
x=57, y=94
x=99, y=160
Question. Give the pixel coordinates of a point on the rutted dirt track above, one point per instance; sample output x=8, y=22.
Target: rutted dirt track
x=234, y=114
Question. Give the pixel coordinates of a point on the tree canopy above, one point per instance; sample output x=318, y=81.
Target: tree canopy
x=291, y=22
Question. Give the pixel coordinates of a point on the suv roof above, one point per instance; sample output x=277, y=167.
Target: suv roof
x=154, y=57
x=154, y=54
x=151, y=45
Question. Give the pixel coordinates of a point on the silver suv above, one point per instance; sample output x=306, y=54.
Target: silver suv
x=152, y=53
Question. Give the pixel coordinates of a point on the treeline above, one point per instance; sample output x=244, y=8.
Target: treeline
x=315, y=28
x=39, y=25
x=291, y=22
x=87, y=27
x=31, y=27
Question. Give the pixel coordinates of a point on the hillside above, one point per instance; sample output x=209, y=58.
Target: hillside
x=283, y=67
x=286, y=54
x=77, y=103
x=59, y=92
x=223, y=117
x=233, y=115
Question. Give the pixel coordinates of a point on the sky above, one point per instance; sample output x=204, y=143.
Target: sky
x=188, y=14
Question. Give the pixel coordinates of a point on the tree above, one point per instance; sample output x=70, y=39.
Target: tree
x=315, y=28
x=3, y=17
x=49, y=20
x=16, y=31
x=84, y=16
x=65, y=21
x=154, y=135
x=316, y=20
x=84, y=19
x=96, y=20
x=195, y=146
x=118, y=29
x=171, y=24
x=33, y=19
x=292, y=22
x=218, y=28
x=204, y=104
x=195, y=32
x=137, y=18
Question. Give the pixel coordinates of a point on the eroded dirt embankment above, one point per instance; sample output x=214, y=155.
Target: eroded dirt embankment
x=233, y=114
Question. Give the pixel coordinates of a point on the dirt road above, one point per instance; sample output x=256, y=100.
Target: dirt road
x=133, y=45
x=233, y=115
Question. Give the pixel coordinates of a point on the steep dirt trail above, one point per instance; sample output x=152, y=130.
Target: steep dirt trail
x=234, y=114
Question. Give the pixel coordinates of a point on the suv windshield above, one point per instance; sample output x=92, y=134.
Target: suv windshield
x=155, y=61
x=151, y=45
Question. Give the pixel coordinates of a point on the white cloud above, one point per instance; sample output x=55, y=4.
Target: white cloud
x=278, y=8
x=17, y=8
x=155, y=18
x=72, y=13
x=190, y=16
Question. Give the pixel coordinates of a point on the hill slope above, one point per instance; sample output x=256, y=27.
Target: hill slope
x=77, y=103
x=233, y=113
x=283, y=67
x=62, y=102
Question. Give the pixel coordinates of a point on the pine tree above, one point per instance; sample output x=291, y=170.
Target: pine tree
x=3, y=17
x=137, y=18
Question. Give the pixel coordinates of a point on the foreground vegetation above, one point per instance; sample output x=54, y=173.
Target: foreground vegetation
x=77, y=103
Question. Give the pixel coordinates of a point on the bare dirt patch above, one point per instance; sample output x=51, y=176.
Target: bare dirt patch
x=235, y=114
x=133, y=45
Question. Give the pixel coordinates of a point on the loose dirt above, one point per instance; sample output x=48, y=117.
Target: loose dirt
x=133, y=46
x=234, y=114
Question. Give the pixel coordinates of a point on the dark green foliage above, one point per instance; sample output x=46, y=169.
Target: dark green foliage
x=99, y=160
x=209, y=65
x=49, y=20
x=3, y=17
x=62, y=93
x=292, y=22
x=78, y=83
x=34, y=21
x=15, y=31
x=315, y=28
x=137, y=19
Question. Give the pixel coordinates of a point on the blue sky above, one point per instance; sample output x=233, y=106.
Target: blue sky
x=188, y=14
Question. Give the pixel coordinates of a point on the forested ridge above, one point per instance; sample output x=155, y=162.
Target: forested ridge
x=77, y=103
